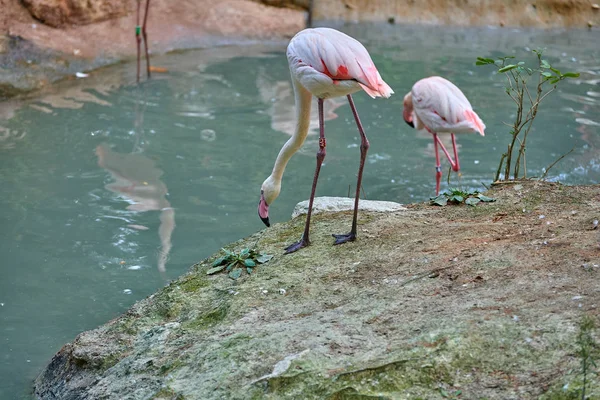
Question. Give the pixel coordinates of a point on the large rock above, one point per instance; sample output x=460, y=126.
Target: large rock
x=335, y=204
x=435, y=302
x=58, y=13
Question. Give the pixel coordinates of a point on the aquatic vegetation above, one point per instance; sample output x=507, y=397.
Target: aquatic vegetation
x=517, y=75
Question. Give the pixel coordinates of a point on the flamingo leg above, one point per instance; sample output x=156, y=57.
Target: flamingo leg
x=456, y=167
x=138, y=39
x=453, y=163
x=304, y=241
x=364, y=147
x=145, y=38
x=438, y=165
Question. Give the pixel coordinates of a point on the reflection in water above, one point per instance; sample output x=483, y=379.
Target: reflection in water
x=137, y=180
x=282, y=110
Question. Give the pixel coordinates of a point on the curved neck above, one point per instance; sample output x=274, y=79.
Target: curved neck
x=303, y=100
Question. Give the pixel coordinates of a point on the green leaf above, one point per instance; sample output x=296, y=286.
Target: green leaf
x=440, y=200
x=507, y=68
x=571, y=74
x=546, y=74
x=263, y=258
x=230, y=266
x=215, y=270
x=236, y=273
x=556, y=80
x=249, y=263
x=249, y=270
x=484, y=61
x=485, y=198
x=557, y=72
x=226, y=251
x=472, y=201
x=245, y=252
x=219, y=261
x=544, y=64
x=457, y=198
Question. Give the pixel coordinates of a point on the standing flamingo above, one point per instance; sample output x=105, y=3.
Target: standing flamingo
x=325, y=63
x=437, y=105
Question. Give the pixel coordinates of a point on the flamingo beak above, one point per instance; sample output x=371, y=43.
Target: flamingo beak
x=410, y=123
x=263, y=210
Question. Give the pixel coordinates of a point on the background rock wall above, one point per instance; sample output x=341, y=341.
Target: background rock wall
x=525, y=13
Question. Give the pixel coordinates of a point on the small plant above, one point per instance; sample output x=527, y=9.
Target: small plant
x=450, y=395
x=233, y=262
x=457, y=196
x=587, y=352
x=517, y=76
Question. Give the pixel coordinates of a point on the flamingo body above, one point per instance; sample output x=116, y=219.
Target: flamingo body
x=436, y=104
x=329, y=63
x=439, y=106
x=323, y=63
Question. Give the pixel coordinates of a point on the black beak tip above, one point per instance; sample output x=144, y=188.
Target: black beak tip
x=266, y=221
x=410, y=123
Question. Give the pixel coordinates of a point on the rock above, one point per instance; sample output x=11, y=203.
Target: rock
x=58, y=13
x=436, y=300
x=296, y=4
x=335, y=204
x=525, y=13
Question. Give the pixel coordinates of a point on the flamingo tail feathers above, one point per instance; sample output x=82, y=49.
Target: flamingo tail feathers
x=375, y=86
x=474, y=119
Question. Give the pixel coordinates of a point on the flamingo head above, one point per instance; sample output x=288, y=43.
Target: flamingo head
x=407, y=113
x=268, y=193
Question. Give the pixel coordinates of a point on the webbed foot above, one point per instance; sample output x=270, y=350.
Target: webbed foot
x=348, y=237
x=296, y=246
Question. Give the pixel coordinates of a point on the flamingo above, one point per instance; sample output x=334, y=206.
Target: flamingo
x=437, y=105
x=325, y=63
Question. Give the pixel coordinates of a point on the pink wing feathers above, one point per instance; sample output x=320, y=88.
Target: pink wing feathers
x=339, y=57
x=442, y=107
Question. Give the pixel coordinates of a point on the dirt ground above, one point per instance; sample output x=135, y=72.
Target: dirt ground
x=453, y=302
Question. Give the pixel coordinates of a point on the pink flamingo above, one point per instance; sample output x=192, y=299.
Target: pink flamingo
x=437, y=105
x=325, y=63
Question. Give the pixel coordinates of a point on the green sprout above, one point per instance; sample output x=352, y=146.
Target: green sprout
x=233, y=262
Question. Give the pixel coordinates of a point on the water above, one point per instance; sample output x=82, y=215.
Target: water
x=109, y=189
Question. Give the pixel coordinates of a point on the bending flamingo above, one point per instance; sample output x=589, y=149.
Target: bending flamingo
x=437, y=105
x=324, y=63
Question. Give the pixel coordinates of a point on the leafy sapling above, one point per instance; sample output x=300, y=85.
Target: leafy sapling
x=518, y=75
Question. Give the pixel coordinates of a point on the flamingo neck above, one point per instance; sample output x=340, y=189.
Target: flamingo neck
x=303, y=100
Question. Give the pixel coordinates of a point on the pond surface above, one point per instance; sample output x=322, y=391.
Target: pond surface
x=110, y=189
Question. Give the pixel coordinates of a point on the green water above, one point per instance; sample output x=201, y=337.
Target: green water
x=109, y=189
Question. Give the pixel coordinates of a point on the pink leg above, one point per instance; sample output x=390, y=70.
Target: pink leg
x=304, y=241
x=146, y=37
x=453, y=163
x=438, y=166
x=456, y=165
x=364, y=147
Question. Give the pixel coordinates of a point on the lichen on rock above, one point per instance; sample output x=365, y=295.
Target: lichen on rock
x=429, y=302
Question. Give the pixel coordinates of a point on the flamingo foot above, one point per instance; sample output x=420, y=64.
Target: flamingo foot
x=296, y=246
x=348, y=237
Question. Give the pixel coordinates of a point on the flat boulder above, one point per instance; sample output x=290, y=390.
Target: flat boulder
x=336, y=204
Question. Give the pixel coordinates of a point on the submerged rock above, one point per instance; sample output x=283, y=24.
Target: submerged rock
x=433, y=302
